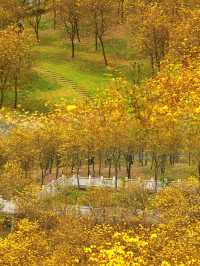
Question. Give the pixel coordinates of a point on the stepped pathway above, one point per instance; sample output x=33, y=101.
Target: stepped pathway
x=63, y=81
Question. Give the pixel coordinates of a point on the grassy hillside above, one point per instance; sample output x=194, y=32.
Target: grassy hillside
x=57, y=76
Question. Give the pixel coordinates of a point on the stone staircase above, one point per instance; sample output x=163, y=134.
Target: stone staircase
x=63, y=81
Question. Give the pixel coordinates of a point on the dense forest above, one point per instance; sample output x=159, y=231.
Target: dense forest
x=99, y=132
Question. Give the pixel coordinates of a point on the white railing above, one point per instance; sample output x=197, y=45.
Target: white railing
x=7, y=206
x=152, y=185
x=84, y=182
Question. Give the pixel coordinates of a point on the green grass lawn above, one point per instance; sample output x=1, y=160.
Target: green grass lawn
x=54, y=67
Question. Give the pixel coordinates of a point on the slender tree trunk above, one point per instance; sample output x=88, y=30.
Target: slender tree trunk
x=109, y=169
x=96, y=41
x=119, y=166
x=129, y=170
x=152, y=64
x=51, y=164
x=88, y=166
x=122, y=11
x=77, y=31
x=37, y=25
x=72, y=168
x=119, y=9
x=77, y=177
x=172, y=159
x=16, y=93
x=156, y=168
x=54, y=15
x=37, y=32
x=163, y=163
x=73, y=47
x=157, y=59
x=96, y=32
x=116, y=175
x=100, y=163
x=152, y=160
x=43, y=177
x=129, y=162
x=2, y=98
x=57, y=168
x=141, y=157
x=146, y=159
x=198, y=168
x=116, y=165
x=93, y=167
x=54, y=21
x=26, y=168
x=103, y=50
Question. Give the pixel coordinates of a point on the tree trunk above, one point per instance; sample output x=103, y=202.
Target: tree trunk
x=141, y=157
x=189, y=159
x=172, y=159
x=157, y=59
x=116, y=175
x=57, y=168
x=156, y=168
x=96, y=32
x=51, y=164
x=146, y=159
x=16, y=93
x=93, y=167
x=37, y=32
x=77, y=177
x=77, y=31
x=129, y=170
x=109, y=169
x=162, y=164
x=152, y=64
x=73, y=47
x=103, y=50
x=43, y=176
x=26, y=168
x=37, y=24
x=96, y=41
x=129, y=163
x=54, y=21
x=2, y=98
x=198, y=168
x=88, y=165
x=122, y=11
x=54, y=15
x=152, y=160
x=100, y=163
